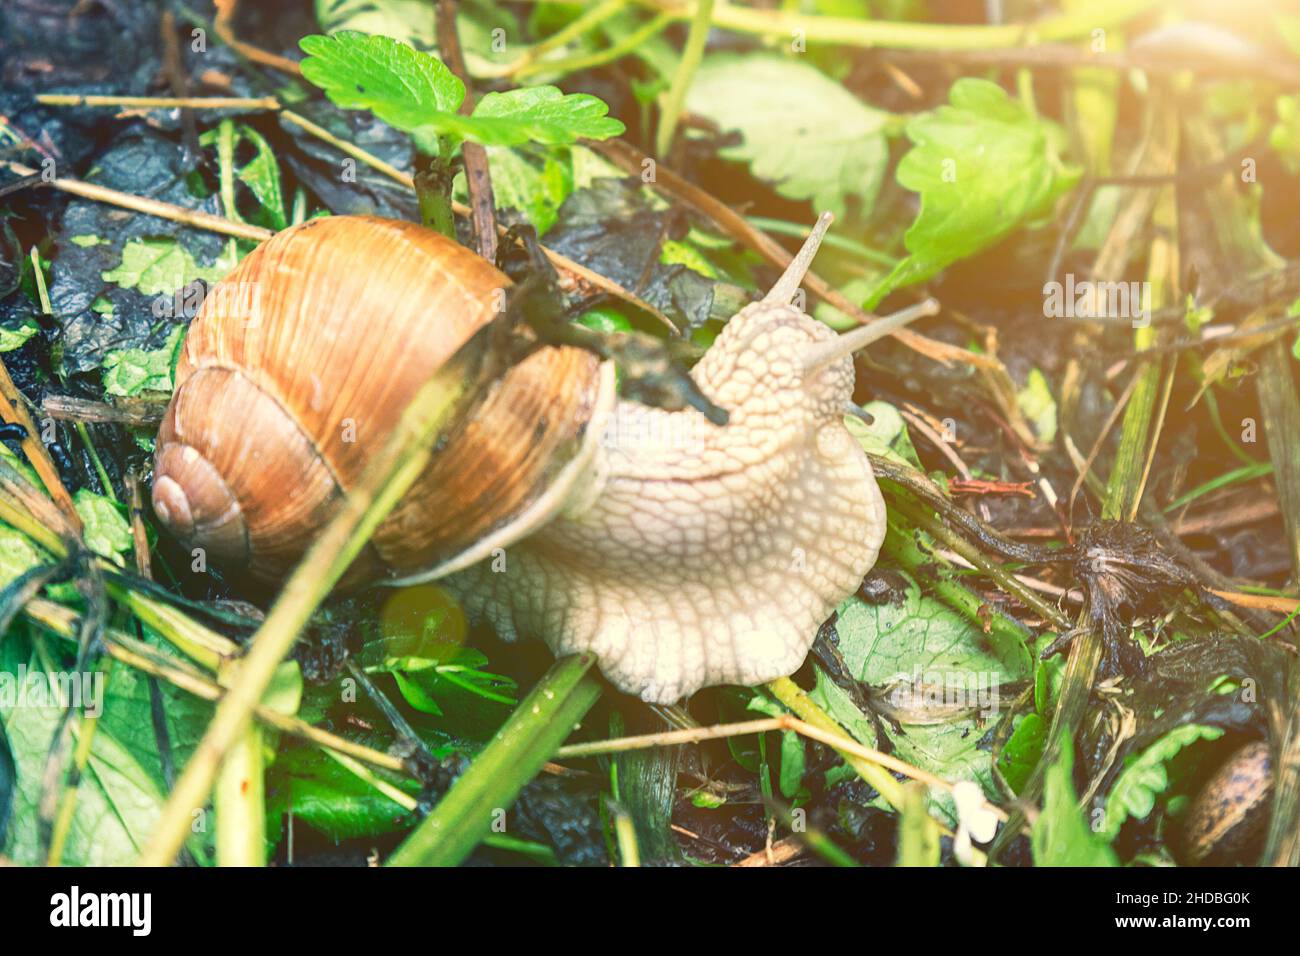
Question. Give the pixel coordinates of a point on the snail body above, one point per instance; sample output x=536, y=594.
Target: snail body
x=683, y=553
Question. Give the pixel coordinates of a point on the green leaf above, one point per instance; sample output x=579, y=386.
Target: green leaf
x=518, y=184
x=922, y=641
x=672, y=252
x=284, y=694
x=886, y=435
x=122, y=790
x=327, y=797
x=15, y=336
x=416, y=92
x=540, y=114
x=132, y=371
x=801, y=130
x=1060, y=836
x=1037, y=403
x=983, y=166
x=1284, y=137
x=404, y=87
x=107, y=531
x=161, y=266
x=1022, y=751
x=1145, y=776
x=17, y=555
x=792, y=764
x=261, y=175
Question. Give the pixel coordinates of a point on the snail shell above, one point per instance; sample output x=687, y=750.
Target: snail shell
x=1226, y=819
x=295, y=372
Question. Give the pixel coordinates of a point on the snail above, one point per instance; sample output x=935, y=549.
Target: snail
x=1226, y=820
x=683, y=553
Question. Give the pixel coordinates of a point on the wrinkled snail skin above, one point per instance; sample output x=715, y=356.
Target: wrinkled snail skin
x=684, y=554
x=700, y=555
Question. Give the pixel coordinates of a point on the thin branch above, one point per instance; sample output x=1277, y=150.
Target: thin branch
x=150, y=207
x=478, y=177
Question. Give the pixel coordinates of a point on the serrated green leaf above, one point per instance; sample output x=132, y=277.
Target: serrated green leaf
x=801, y=130
x=416, y=92
x=161, y=266
x=540, y=114
x=132, y=371
x=1145, y=776
x=17, y=555
x=262, y=176
x=983, y=165
x=106, y=530
x=923, y=641
x=404, y=87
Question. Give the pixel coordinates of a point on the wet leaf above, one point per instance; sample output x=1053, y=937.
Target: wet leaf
x=946, y=659
x=132, y=371
x=106, y=531
x=161, y=266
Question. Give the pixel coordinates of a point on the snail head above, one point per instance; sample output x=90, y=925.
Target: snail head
x=774, y=357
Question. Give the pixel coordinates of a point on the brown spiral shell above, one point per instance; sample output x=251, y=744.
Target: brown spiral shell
x=295, y=372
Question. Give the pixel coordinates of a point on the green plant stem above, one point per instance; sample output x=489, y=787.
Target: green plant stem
x=1001, y=576
x=100, y=471
x=918, y=836
x=844, y=31
x=1256, y=469
x=789, y=693
x=584, y=23
x=800, y=231
x=587, y=61
x=1007, y=636
x=1123, y=488
x=675, y=101
x=239, y=798
x=392, y=472
x=433, y=189
x=85, y=732
x=527, y=739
